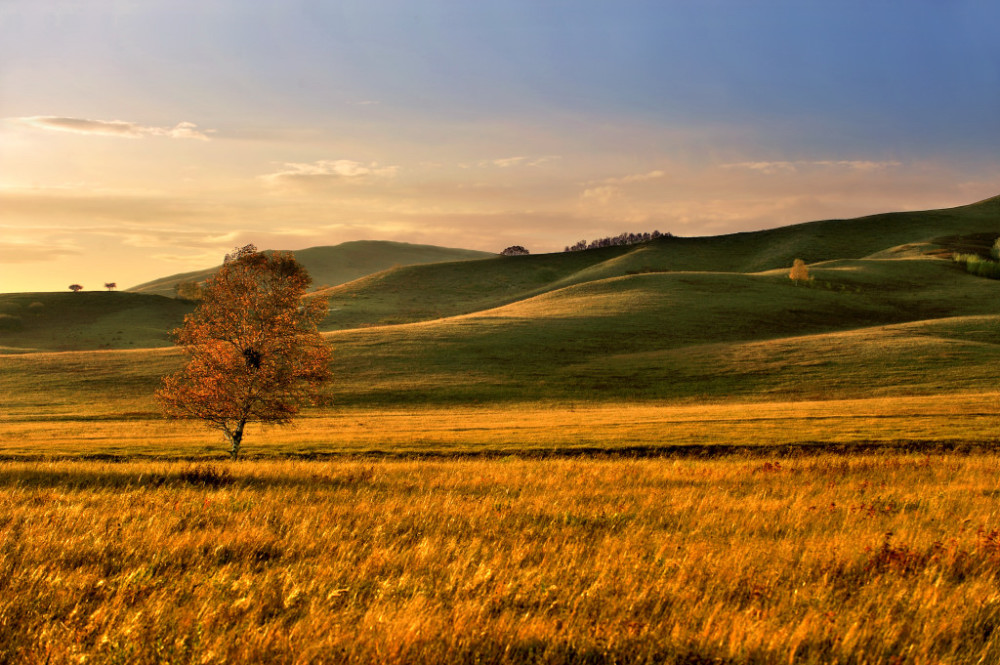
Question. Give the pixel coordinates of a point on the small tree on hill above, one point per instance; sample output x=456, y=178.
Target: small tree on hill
x=110, y=286
x=515, y=250
x=75, y=288
x=255, y=352
x=799, y=272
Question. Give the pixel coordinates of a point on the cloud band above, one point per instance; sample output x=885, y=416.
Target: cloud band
x=119, y=128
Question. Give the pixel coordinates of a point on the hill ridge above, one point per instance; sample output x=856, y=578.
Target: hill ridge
x=330, y=265
x=850, y=256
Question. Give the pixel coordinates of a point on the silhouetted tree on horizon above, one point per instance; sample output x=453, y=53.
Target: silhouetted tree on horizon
x=616, y=241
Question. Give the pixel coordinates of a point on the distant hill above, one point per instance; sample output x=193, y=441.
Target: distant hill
x=333, y=265
x=66, y=321
x=421, y=293
x=547, y=313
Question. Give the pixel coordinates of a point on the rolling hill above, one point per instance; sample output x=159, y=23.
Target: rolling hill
x=418, y=293
x=88, y=320
x=330, y=266
x=677, y=319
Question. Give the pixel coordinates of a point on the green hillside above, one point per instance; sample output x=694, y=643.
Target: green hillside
x=678, y=319
x=870, y=326
x=87, y=320
x=329, y=266
x=420, y=293
x=695, y=335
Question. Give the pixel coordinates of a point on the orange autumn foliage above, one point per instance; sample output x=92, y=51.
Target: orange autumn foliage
x=256, y=354
x=799, y=271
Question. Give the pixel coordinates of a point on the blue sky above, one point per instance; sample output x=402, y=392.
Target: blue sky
x=142, y=138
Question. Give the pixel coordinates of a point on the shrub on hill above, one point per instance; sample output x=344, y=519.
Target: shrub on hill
x=979, y=266
x=617, y=241
x=515, y=250
x=799, y=272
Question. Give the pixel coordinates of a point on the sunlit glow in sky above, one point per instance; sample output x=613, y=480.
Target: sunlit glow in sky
x=140, y=138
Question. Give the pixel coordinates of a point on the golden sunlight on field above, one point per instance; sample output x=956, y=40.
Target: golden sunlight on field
x=915, y=423
x=880, y=559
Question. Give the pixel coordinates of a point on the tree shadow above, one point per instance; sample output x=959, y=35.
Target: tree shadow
x=207, y=476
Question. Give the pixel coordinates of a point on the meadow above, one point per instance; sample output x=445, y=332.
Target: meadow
x=964, y=422
x=663, y=453
x=876, y=558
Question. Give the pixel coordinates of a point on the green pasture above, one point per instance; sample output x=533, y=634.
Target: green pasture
x=672, y=323
x=342, y=263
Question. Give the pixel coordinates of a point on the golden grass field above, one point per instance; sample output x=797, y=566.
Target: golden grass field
x=917, y=423
x=885, y=558
x=666, y=453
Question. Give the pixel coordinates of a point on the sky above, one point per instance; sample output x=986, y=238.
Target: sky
x=141, y=138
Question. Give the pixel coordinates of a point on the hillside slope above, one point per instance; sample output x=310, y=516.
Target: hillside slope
x=687, y=290
x=329, y=266
x=87, y=320
x=421, y=293
x=687, y=334
x=865, y=327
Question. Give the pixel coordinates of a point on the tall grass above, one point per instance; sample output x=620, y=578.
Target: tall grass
x=939, y=422
x=874, y=559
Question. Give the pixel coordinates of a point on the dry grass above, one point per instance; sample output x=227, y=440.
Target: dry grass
x=874, y=559
x=916, y=423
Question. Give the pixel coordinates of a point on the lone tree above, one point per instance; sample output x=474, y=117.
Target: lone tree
x=110, y=286
x=255, y=352
x=75, y=288
x=515, y=250
x=799, y=272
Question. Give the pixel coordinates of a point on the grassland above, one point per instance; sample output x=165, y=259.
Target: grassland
x=330, y=266
x=889, y=268
x=818, y=559
x=666, y=453
x=90, y=320
x=927, y=423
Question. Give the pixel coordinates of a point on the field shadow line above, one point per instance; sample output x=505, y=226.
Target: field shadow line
x=32, y=471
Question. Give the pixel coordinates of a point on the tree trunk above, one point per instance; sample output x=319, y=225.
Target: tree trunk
x=235, y=438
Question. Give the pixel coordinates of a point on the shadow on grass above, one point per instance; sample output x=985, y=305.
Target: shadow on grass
x=132, y=472
x=206, y=476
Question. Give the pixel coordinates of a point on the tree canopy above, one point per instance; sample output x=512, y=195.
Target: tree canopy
x=255, y=352
x=799, y=271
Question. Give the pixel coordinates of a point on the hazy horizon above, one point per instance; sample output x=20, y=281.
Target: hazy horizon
x=146, y=139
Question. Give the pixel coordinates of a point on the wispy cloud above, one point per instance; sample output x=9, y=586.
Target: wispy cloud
x=327, y=170
x=608, y=190
x=604, y=194
x=509, y=162
x=29, y=251
x=774, y=167
x=119, y=128
x=635, y=177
